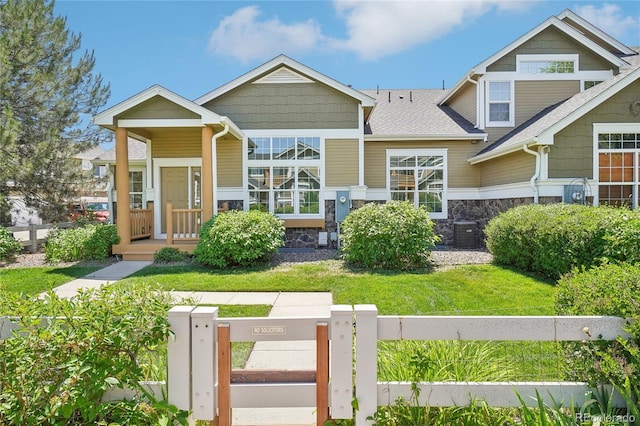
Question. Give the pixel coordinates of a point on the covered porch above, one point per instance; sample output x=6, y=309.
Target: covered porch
x=164, y=200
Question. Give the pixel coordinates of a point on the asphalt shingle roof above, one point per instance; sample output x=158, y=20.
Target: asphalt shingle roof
x=137, y=151
x=414, y=112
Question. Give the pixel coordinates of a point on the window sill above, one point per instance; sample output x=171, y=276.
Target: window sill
x=304, y=223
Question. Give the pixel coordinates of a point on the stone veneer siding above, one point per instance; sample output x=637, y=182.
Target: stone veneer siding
x=480, y=212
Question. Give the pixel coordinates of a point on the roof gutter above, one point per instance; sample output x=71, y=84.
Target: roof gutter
x=534, y=179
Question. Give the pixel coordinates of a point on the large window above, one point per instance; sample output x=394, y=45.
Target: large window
x=284, y=175
x=419, y=176
x=618, y=165
x=500, y=103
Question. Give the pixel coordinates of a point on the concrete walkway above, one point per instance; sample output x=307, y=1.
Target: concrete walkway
x=297, y=355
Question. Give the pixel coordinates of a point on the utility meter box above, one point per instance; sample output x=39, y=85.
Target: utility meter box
x=342, y=205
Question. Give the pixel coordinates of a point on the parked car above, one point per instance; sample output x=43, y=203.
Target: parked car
x=92, y=209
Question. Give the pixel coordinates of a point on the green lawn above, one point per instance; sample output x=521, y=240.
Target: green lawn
x=38, y=280
x=464, y=290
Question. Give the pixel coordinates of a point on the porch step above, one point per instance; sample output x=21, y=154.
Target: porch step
x=138, y=255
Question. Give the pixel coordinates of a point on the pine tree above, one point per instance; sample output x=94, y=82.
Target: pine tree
x=48, y=92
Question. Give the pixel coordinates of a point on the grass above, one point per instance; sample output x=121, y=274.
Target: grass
x=37, y=280
x=464, y=290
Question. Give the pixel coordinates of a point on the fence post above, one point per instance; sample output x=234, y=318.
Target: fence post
x=366, y=362
x=179, y=357
x=33, y=237
x=169, y=223
x=203, y=362
x=322, y=373
x=341, y=374
x=224, y=374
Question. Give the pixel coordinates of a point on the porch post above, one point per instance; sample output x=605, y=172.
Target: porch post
x=123, y=220
x=207, y=173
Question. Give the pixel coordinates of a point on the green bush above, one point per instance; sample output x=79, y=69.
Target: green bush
x=171, y=254
x=89, y=242
x=9, y=247
x=551, y=239
x=57, y=371
x=395, y=235
x=610, y=289
x=239, y=238
x=623, y=239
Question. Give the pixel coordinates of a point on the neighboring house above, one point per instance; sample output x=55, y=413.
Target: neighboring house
x=554, y=116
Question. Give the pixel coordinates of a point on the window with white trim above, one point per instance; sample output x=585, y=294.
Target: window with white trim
x=618, y=165
x=500, y=103
x=136, y=189
x=419, y=176
x=284, y=175
x=547, y=67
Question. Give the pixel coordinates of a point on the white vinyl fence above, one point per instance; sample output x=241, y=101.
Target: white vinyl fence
x=200, y=378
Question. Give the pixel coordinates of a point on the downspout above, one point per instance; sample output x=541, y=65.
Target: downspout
x=472, y=81
x=214, y=142
x=534, y=179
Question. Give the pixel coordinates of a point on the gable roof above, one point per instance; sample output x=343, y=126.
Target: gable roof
x=560, y=24
x=106, y=118
x=541, y=128
x=296, y=67
x=415, y=114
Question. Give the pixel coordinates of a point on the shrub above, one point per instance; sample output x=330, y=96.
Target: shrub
x=89, y=242
x=552, y=239
x=610, y=289
x=170, y=254
x=239, y=238
x=9, y=246
x=623, y=239
x=394, y=235
x=57, y=371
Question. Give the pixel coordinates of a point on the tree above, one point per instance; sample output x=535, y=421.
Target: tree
x=47, y=93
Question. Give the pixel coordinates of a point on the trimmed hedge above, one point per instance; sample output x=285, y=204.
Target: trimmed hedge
x=239, y=238
x=551, y=239
x=88, y=242
x=394, y=235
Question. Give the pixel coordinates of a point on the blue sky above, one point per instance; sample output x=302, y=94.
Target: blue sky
x=193, y=47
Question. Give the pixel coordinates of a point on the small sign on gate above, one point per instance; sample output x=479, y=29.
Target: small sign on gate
x=270, y=330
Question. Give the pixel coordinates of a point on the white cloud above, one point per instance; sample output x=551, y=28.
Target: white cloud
x=609, y=18
x=374, y=28
x=381, y=28
x=244, y=36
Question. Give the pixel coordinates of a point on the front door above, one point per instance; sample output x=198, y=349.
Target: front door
x=174, y=184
